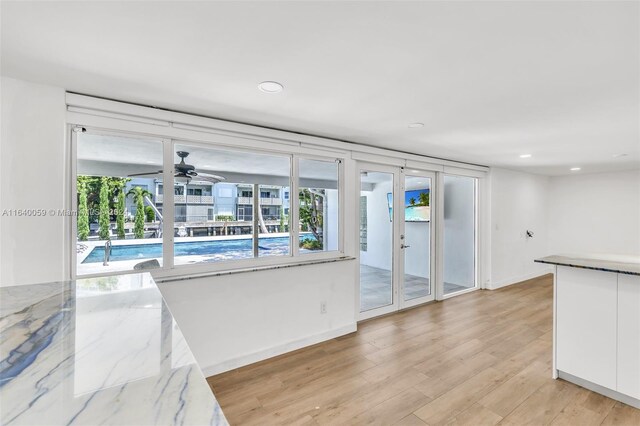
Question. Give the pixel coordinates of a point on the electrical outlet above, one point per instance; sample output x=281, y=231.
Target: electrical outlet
x=323, y=307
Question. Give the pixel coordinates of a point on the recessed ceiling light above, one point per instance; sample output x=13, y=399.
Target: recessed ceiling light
x=270, y=87
x=575, y=169
x=619, y=155
x=415, y=125
x=525, y=156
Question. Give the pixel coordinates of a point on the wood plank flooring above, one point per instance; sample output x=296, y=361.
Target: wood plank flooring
x=483, y=358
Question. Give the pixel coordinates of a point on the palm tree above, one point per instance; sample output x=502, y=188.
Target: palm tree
x=120, y=207
x=412, y=201
x=104, y=218
x=311, y=211
x=138, y=194
x=424, y=198
x=83, y=210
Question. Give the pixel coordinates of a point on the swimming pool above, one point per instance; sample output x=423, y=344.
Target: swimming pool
x=215, y=249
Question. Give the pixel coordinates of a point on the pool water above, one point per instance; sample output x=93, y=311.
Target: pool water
x=215, y=249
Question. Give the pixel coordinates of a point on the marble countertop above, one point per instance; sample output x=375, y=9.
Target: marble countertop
x=97, y=351
x=605, y=263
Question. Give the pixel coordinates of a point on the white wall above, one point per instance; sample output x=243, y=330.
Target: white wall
x=32, y=176
x=519, y=202
x=595, y=213
x=237, y=319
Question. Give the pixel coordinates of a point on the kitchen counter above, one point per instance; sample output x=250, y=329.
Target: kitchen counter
x=97, y=351
x=596, y=324
x=612, y=264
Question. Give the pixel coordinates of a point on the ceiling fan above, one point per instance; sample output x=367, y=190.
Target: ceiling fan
x=184, y=172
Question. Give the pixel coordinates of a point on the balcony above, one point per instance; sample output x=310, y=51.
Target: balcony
x=270, y=201
x=199, y=199
x=188, y=199
x=263, y=201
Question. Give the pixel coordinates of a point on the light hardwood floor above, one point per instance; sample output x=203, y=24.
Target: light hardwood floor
x=483, y=358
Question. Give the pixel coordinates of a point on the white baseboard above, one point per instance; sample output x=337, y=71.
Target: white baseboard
x=261, y=355
x=515, y=280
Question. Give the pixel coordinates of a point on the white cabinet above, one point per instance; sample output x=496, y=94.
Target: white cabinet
x=586, y=324
x=629, y=335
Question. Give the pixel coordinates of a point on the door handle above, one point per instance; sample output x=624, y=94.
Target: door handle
x=402, y=246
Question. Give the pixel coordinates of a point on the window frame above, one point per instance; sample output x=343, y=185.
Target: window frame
x=169, y=269
x=73, y=196
x=294, y=201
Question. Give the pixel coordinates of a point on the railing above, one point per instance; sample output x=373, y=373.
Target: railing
x=208, y=199
x=188, y=199
x=199, y=199
x=270, y=201
x=263, y=201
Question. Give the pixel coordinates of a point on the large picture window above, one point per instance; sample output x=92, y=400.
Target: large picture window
x=228, y=205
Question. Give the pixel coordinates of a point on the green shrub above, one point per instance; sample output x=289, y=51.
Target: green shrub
x=310, y=244
x=138, y=197
x=104, y=218
x=149, y=214
x=83, y=211
x=120, y=207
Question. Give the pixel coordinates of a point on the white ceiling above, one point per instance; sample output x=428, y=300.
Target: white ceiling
x=490, y=80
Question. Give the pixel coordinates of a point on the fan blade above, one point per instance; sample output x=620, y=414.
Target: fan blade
x=159, y=172
x=208, y=178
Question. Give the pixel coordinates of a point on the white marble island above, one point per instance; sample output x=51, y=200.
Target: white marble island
x=97, y=351
x=597, y=324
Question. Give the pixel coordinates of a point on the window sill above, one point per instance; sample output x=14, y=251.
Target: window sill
x=168, y=279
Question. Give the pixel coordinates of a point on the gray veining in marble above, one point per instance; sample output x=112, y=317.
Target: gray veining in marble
x=607, y=265
x=97, y=351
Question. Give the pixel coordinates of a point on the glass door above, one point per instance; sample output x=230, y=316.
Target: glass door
x=377, y=229
x=396, y=239
x=417, y=242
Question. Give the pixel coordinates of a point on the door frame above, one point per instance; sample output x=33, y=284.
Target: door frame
x=395, y=229
x=398, y=174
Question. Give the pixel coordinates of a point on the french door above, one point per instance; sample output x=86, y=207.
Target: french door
x=396, y=237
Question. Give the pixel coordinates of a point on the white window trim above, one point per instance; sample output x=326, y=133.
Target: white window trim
x=169, y=268
x=341, y=198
